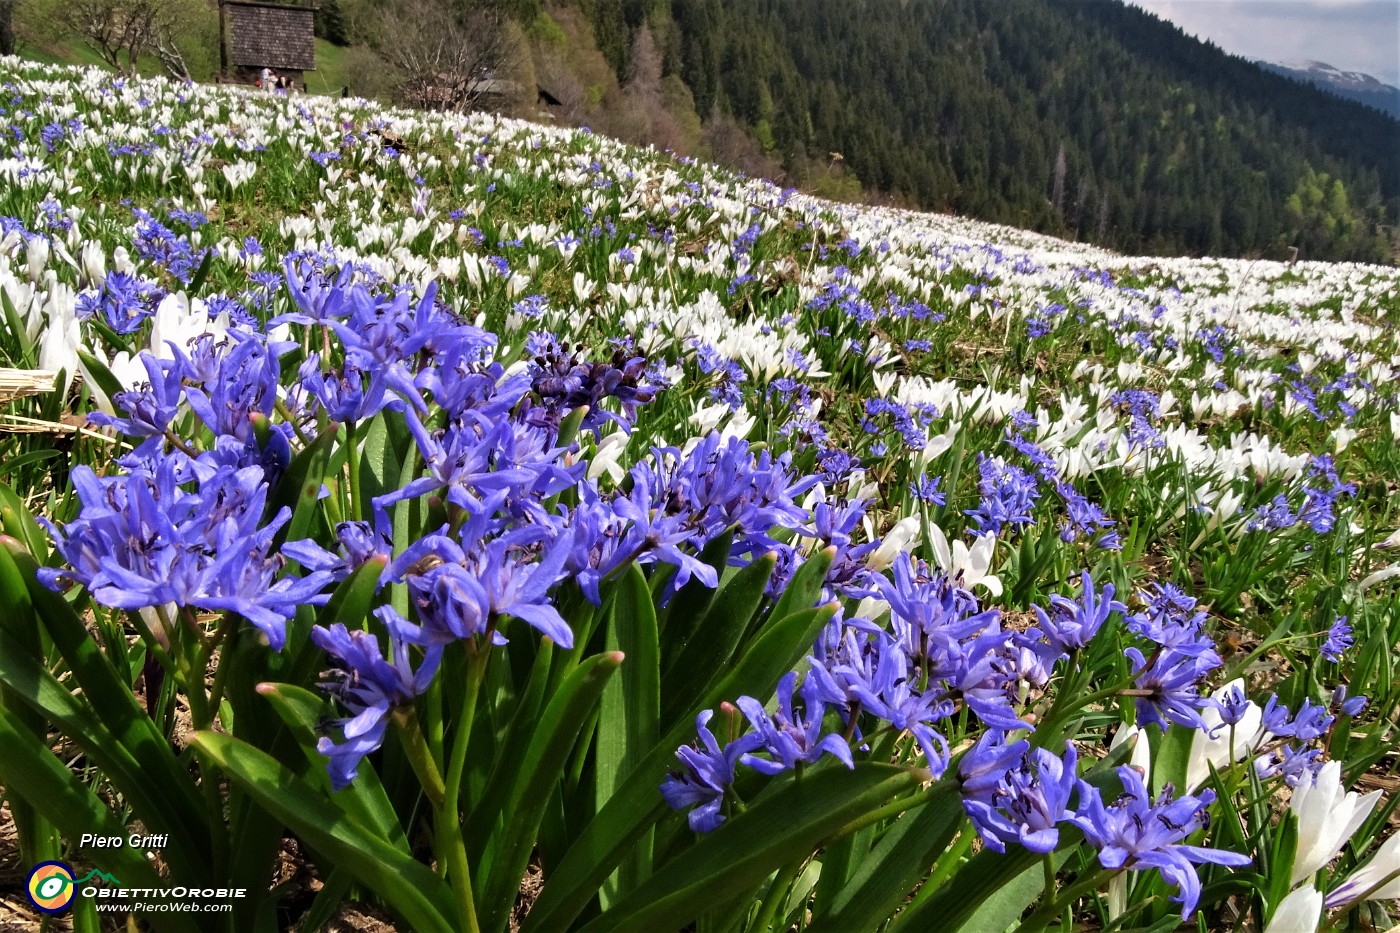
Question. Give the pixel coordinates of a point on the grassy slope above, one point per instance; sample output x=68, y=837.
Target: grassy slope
x=328, y=78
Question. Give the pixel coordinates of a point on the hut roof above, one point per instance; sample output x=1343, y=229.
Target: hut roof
x=271, y=35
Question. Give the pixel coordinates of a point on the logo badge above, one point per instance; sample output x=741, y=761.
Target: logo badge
x=51, y=887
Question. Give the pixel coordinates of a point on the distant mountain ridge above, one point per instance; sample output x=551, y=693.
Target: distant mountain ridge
x=1353, y=85
x=1086, y=119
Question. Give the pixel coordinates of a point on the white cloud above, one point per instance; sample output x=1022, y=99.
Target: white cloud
x=1356, y=35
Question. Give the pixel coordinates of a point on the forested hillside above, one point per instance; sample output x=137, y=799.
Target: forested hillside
x=1087, y=119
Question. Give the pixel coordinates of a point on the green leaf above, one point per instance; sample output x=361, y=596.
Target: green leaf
x=701, y=660
x=300, y=487
x=884, y=876
x=18, y=523
x=380, y=462
x=200, y=274
x=682, y=617
x=364, y=800
x=409, y=889
x=108, y=696
x=630, y=711
x=38, y=838
x=485, y=815
x=1170, y=757
x=782, y=827
x=637, y=803
x=100, y=375
x=560, y=728
x=25, y=676
x=16, y=327
x=30, y=771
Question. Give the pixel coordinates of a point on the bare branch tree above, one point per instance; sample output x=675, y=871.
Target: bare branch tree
x=446, y=60
x=120, y=31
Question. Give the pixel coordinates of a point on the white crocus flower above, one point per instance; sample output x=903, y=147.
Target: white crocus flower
x=903, y=536
x=239, y=172
x=971, y=565
x=1327, y=818
x=36, y=254
x=1299, y=912
x=1377, y=880
x=94, y=263
x=179, y=320
x=1211, y=747
x=62, y=337
x=1380, y=576
x=608, y=457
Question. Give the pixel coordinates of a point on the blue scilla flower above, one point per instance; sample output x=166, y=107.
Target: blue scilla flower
x=123, y=301
x=930, y=615
x=1070, y=625
x=142, y=540
x=358, y=542
x=562, y=381
x=1137, y=833
x=349, y=394
x=1339, y=640
x=171, y=251
x=874, y=675
x=790, y=736
x=1008, y=495
x=318, y=299
x=462, y=586
x=1171, y=619
x=462, y=458
x=705, y=776
x=369, y=686
x=833, y=526
x=232, y=380
x=1028, y=800
x=150, y=408
x=1168, y=686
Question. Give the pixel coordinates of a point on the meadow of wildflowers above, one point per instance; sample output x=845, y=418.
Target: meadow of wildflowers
x=550, y=535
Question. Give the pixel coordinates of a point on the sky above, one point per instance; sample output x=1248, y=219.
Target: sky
x=1353, y=35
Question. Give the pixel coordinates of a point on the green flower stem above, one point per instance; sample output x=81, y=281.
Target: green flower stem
x=1053, y=903
x=947, y=863
x=451, y=846
x=281, y=408
x=777, y=895
x=187, y=674
x=901, y=805
x=403, y=512
x=1049, y=727
x=416, y=748
x=352, y=457
x=227, y=636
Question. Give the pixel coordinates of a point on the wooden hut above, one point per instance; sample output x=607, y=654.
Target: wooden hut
x=267, y=35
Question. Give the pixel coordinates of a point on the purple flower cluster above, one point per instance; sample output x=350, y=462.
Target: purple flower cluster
x=1008, y=495
x=562, y=381
x=1083, y=518
x=1014, y=793
x=146, y=539
x=779, y=741
x=371, y=686
x=1322, y=489
x=122, y=301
